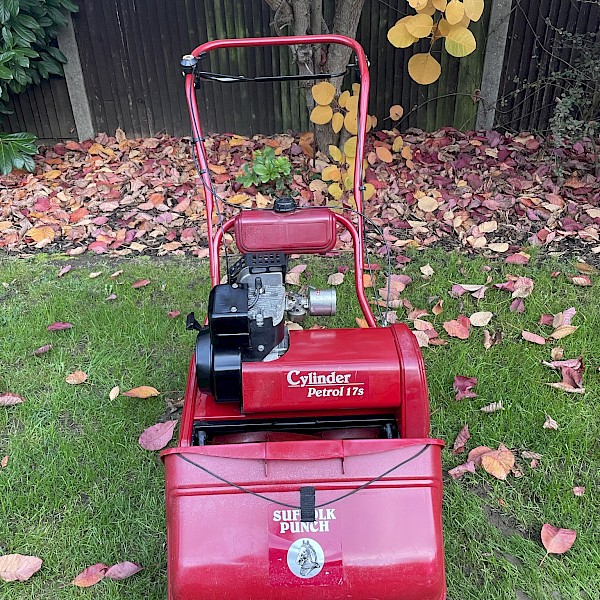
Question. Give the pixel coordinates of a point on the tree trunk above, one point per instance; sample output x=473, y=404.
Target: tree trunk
x=300, y=17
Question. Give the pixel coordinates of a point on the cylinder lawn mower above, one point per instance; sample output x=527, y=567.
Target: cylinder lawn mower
x=304, y=466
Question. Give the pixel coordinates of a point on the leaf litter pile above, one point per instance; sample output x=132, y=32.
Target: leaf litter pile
x=483, y=192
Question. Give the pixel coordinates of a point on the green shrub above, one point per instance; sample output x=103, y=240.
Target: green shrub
x=266, y=169
x=16, y=150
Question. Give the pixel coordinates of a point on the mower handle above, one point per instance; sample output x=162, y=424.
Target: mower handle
x=198, y=141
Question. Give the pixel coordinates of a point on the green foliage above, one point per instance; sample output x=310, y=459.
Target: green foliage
x=16, y=150
x=266, y=169
x=27, y=30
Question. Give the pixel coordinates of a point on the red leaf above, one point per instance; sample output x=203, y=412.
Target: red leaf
x=468, y=467
x=122, y=570
x=157, y=436
x=458, y=328
x=532, y=337
x=59, y=326
x=43, y=349
x=517, y=305
x=16, y=567
x=10, y=399
x=90, y=576
x=463, y=385
x=140, y=283
x=4, y=461
x=521, y=258
x=461, y=440
x=579, y=490
x=557, y=540
x=174, y=314
x=65, y=270
x=582, y=280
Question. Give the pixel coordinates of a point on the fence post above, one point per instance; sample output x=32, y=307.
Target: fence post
x=493, y=63
x=67, y=43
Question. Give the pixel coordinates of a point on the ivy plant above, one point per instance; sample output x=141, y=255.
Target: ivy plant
x=28, y=54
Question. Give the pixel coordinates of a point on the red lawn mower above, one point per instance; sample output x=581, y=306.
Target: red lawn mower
x=304, y=465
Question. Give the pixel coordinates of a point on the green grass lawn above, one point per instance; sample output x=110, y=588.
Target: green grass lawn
x=78, y=489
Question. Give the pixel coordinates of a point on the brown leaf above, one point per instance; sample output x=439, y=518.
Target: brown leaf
x=492, y=408
x=490, y=340
x=157, y=436
x=481, y=319
x=532, y=337
x=292, y=278
x=458, y=328
x=498, y=462
x=463, y=386
x=42, y=349
x=17, y=567
x=122, y=570
x=476, y=454
x=457, y=472
x=362, y=323
x=144, y=391
x=76, y=378
x=10, y=399
x=173, y=314
x=335, y=279
x=550, y=423
x=582, y=280
x=90, y=576
x=384, y=154
x=563, y=331
x=557, y=540
x=59, y=326
x=140, y=283
x=438, y=308
x=461, y=440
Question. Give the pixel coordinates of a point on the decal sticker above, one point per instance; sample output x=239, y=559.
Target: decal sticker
x=305, y=558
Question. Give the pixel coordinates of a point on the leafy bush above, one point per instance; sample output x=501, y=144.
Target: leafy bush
x=16, y=150
x=266, y=168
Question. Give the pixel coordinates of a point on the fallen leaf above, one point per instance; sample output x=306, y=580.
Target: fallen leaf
x=490, y=340
x=335, y=279
x=520, y=258
x=42, y=349
x=59, y=326
x=557, y=540
x=292, y=278
x=4, y=462
x=523, y=287
x=481, y=319
x=463, y=386
x=113, y=394
x=438, y=309
x=157, y=436
x=298, y=269
x=17, y=567
x=173, y=314
x=362, y=323
x=492, y=408
x=460, y=470
x=461, y=440
x=550, y=423
x=563, y=331
x=43, y=233
x=428, y=204
x=517, y=305
x=140, y=283
x=116, y=274
x=10, y=399
x=427, y=271
x=498, y=462
x=144, y=391
x=476, y=454
x=532, y=337
x=566, y=387
x=579, y=490
x=557, y=353
x=458, y=328
x=94, y=275
x=76, y=378
x=90, y=576
x=122, y=571
x=582, y=280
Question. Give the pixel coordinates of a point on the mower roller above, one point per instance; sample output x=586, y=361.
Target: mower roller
x=304, y=466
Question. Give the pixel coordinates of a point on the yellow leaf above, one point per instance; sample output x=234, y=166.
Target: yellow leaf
x=351, y=123
x=465, y=21
x=261, y=201
x=76, y=378
x=238, y=198
x=369, y=191
x=355, y=88
x=321, y=114
x=440, y=4
x=373, y=121
x=455, y=11
x=52, y=174
x=344, y=97
x=335, y=206
x=473, y=9
x=428, y=204
x=331, y=173
x=96, y=149
x=424, y=69
x=352, y=104
x=337, y=122
x=384, y=154
x=348, y=182
x=417, y=4
x=444, y=27
x=335, y=153
x=428, y=9
x=38, y=234
x=350, y=147
x=323, y=92
x=362, y=323
x=398, y=143
x=335, y=190
x=460, y=41
x=407, y=153
x=396, y=112
x=399, y=36
x=420, y=26
x=144, y=391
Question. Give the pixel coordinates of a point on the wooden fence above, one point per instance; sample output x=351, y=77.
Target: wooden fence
x=130, y=50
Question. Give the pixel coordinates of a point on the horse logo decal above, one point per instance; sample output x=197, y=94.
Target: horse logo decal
x=305, y=558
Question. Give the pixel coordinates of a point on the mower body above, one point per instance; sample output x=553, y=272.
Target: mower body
x=304, y=465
